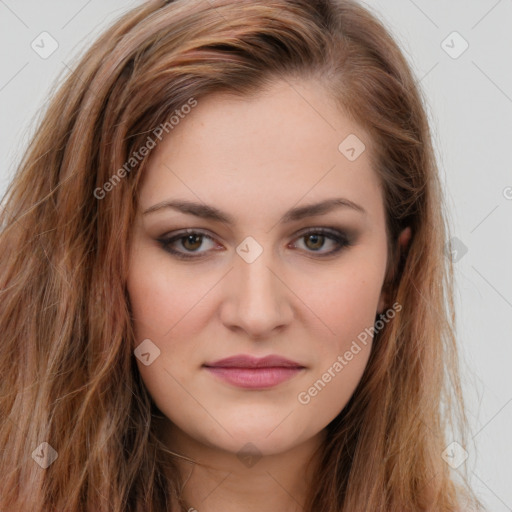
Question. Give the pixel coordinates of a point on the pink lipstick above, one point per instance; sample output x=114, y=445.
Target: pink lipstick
x=254, y=373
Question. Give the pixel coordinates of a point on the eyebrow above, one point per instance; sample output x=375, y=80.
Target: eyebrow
x=212, y=213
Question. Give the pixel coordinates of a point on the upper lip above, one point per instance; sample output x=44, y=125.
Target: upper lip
x=246, y=361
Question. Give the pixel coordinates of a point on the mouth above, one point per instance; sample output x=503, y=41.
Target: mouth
x=254, y=373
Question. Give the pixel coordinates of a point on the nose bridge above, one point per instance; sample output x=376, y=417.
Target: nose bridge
x=257, y=284
x=259, y=298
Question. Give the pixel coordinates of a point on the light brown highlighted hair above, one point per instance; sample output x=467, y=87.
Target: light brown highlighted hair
x=68, y=375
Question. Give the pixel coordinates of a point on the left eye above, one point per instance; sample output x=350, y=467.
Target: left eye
x=314, y=238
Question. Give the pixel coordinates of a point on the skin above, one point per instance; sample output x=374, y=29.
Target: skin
x=255, y=158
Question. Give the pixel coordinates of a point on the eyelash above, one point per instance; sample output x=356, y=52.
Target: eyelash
x=337, y=236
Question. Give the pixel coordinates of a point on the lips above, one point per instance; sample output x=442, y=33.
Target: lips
x=245, y=361
x=254, y=373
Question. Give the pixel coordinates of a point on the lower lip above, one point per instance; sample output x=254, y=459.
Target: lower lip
x=254, y=378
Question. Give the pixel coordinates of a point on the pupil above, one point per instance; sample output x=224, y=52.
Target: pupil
x=317, y=238
x=191, y=238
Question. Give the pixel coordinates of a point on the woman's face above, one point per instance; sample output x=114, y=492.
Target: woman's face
x=260, y=282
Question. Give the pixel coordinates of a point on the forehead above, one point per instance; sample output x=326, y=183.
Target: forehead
x=270, y=151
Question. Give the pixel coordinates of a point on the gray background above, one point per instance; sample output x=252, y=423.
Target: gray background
x=469, y=99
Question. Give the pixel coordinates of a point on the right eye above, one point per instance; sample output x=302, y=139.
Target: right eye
x=189, y=240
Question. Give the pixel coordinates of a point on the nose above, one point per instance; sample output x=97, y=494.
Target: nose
x=257, y=298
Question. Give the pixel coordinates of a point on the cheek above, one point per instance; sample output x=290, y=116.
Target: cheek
x=345, y=301
x=347, y=306
x=167, y=304
x=160, y=301
x=161, y=296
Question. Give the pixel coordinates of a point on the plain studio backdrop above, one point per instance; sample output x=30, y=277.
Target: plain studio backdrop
x=462, y=53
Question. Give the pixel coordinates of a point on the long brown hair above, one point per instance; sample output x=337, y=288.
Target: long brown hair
x=68, y=375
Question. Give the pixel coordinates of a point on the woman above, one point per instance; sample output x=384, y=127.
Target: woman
x=175, y=335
